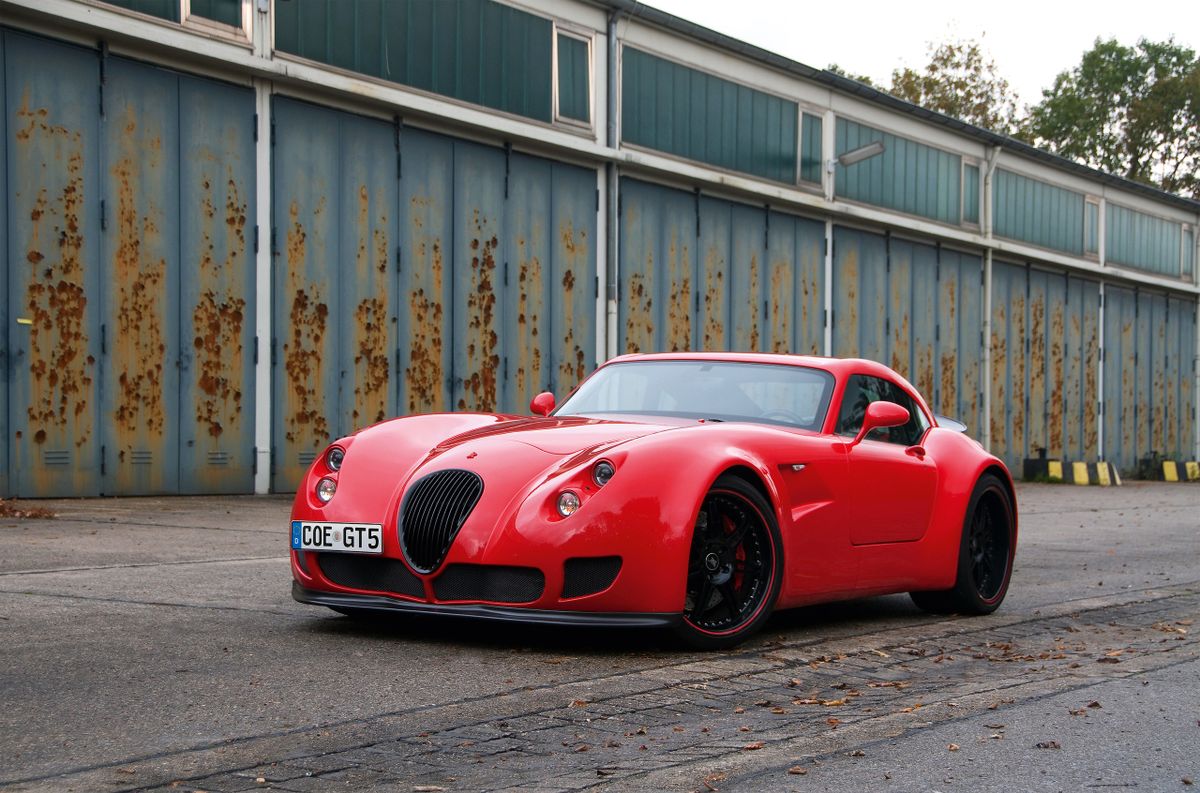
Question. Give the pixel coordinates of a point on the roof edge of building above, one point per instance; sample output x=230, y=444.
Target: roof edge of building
x=863, y=91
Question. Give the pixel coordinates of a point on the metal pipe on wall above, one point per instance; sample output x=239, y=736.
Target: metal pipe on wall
x=610, y=169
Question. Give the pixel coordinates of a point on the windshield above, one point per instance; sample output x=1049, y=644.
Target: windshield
x=795, y=396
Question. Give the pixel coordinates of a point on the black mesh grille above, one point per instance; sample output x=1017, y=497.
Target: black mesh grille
x=587, y=575
x=489, y=582
x=433, y=511
x=370, y=572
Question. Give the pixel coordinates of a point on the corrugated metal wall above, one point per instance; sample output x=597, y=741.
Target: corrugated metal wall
x=130, y=272
x=701, y=273
x=1034, y=211
x=417, y=272
x=916, y=307
x=1150, y=347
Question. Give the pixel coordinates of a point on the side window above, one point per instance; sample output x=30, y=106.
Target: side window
x=861, y=391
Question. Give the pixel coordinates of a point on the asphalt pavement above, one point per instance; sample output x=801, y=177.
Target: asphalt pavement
x=152, y=644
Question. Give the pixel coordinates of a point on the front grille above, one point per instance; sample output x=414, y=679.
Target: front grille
x=433, y=510
x=370, y=572
x=587, y=575
x=489, y=582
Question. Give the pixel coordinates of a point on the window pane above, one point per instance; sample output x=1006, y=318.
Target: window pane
x=861, y=391
x=227, y=11
x=573, y=79
x=164, y=9
x=810, y=149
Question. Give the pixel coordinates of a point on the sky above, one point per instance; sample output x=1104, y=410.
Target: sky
x=1031, y=42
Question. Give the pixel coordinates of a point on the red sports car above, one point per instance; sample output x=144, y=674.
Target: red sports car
x=690, y=491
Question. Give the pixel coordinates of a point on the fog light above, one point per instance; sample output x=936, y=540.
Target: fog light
x=568, y=502
x=602, y=472
x=325, y=489
x=334, y=457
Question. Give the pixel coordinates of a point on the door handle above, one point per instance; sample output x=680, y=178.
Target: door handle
x=916, y=451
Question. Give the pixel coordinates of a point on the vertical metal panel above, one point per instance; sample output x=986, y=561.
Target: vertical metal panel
x=658, y=243
x=572, y=338
x=52, y=144
x=683, y=111
x=781, y=277
x=426, y=238
x=1189, y=254
x=216, y=229
x=1037, y=212
x=1145, y=396
x=479, y=183
x=746, y=258
x=1164, y=367
x=1080, y=367
x=860, y=292
x=808, y=336
x=900, y=299
x=1120, y=377
x=1184, y=317
x=528, y=279
x=716, y=230
x=1009, y=384
x=959, y=358
x=368, y=195
x=306, y=204
x=1038, y=365
x=140, y=430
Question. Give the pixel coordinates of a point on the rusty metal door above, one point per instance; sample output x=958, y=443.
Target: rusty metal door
x=140, y=284
x=217, y=224
x=911, y=316
x=5, y=329
x=705, y=273
x=1010, y=394
x=1120, y=377
x=1180, y=396
x=1079, y=334
x=52, y=139
x=335, y=196
x=859, y=294
x=958, y=390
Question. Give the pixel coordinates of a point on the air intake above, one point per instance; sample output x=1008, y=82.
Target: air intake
x=434, y=509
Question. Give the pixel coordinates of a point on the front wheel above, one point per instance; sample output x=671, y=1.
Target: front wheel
x=985, y=555
x=734, y=568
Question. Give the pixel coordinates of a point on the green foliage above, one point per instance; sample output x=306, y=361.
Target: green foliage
x=862, y=78
x=960, y=82
x=1130, y=111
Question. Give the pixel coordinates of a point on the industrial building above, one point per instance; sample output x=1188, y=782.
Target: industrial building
x=236, y=229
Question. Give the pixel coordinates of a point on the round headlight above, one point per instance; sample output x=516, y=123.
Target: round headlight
x=568, y=502
x=325, y=489
x=334, y=457
x=602, y=472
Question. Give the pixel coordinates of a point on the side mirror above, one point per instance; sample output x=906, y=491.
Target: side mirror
x=543, y=403
x=880, y=414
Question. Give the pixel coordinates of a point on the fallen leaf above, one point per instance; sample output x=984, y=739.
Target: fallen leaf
x=994, y=726
x=833, y=703
x=762, y=703
x=428, y=788
x=1047, y=745
x=739, y=709
x=1187, y=780
x=605, y=771
x=677, y=728
x=1079, y=712
x=583, y=747
x=953, y=747
x=795, y=681
x=798, y=770
x=750, y=747
x=744, y=728
x=832, y=722
x=1093, y=704
x=856, y=753
x=778, y=711
x=578, y=703
x=1108, y=660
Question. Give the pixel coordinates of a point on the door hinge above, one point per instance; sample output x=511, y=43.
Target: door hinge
x=103, y=459
x=103, y=215
x=256, y=238
x=255, y=127
x=255, y=350
x=103, y=52
x=274, y=356
x=254, y=461
x=399, y=259
x=103, y=339
x=274, y=242
x=507, y=165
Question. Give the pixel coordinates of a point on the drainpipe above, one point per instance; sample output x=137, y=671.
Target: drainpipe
x=610, y=169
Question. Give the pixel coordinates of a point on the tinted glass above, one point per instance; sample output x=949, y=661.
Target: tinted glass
x=861, y=391
x=729, y=391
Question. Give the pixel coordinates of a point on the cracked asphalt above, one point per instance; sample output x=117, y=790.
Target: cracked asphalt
x=152, y=644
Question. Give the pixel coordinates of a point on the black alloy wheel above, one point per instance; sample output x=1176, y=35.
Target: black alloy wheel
x=734, y=566
x=985, y=555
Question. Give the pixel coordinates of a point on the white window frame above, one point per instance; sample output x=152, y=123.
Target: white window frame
x=972, y=162
x=590, y=40
x=1092, y=201
x=241, y=32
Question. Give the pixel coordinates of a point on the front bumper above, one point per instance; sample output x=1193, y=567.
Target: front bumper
x=530, y=616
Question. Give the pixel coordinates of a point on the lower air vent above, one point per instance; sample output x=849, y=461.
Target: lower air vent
x=370, y=572
x=587, y=575
x=434, y=509
x=489, y=582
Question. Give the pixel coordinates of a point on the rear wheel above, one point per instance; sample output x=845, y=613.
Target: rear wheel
x=985, y=555
x=734, y=567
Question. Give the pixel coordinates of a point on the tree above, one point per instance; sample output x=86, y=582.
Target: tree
x=1130, y=111
x=862, y=78
x=960, y=82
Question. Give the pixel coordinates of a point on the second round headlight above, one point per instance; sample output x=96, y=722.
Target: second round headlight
x=602, y=472
x=334, y=457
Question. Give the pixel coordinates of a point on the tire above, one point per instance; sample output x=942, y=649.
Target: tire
x=985, y=555
x=735, y=565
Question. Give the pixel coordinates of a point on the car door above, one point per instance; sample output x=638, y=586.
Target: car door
x=892, y=478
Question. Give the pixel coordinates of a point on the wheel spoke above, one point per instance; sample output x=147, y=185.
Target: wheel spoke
x=729, y=598
x=701, y=607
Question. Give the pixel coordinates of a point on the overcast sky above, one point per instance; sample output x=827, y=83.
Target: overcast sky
x=1030, y=41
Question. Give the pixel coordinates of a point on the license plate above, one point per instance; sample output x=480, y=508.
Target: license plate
x=342, y=537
